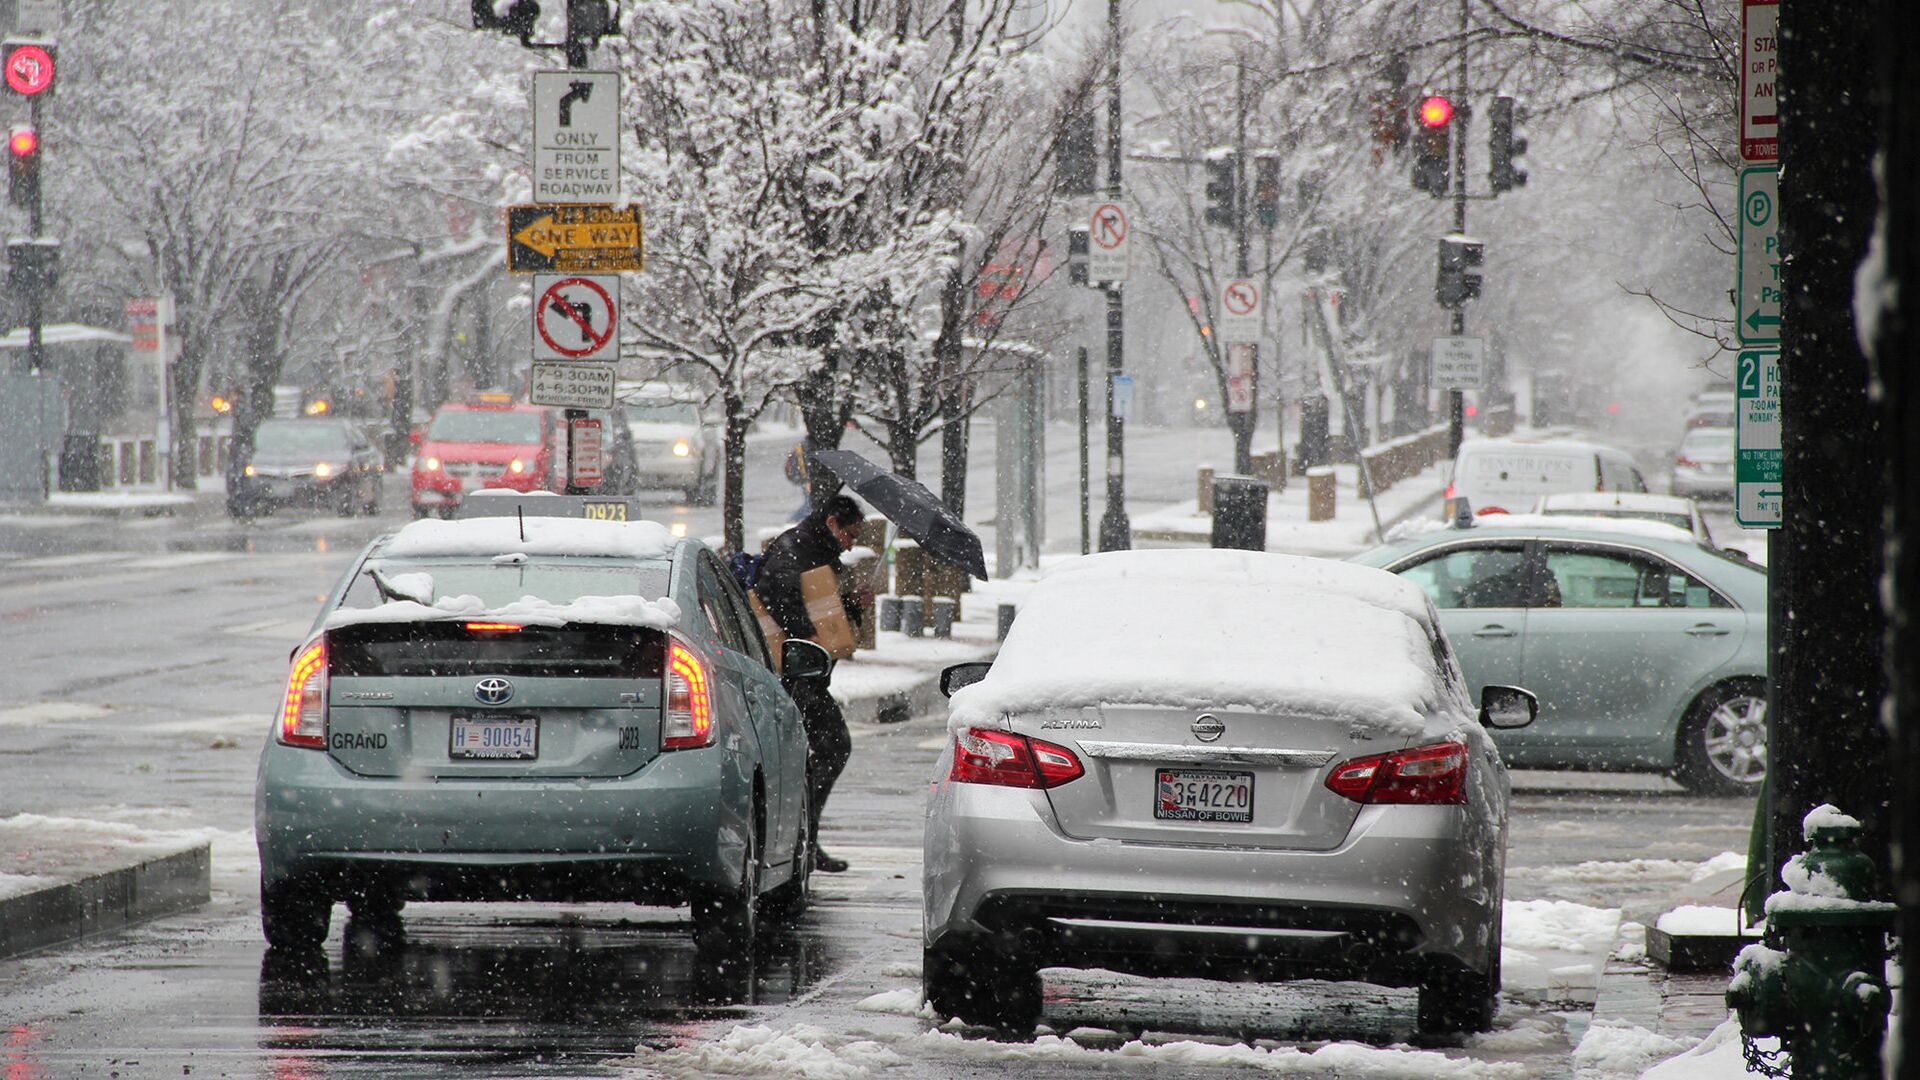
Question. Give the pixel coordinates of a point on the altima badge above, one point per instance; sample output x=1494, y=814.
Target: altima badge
x=1207, y=727
x=493, y=691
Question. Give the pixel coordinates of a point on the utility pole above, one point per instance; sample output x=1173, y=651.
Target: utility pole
x=1116, y=532
x=1086, y=435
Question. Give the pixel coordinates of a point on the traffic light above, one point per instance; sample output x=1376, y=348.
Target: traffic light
x=1433, y=145
x=1077, y=254
x=1456, y=283
x=517, y=18
x=23, y=166
x=1077, y=171
x=1266, y=190
x=1388, y=122
x=1505, y=144
x=589, y=20
x=1223, y=189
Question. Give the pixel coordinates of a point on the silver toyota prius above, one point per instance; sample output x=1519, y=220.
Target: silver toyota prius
x=1219, y=763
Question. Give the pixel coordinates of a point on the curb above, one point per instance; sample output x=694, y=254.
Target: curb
x=106, y=901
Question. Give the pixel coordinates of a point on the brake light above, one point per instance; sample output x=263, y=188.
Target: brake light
x=1434, y=774
x=1451, y=492
x=303, y=714
x=1685, y=462
x=492, y=627
x=689, y=705
x=1485, y=510
x=984, y=756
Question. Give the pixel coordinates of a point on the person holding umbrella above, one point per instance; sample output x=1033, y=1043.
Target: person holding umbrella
x=817, y=541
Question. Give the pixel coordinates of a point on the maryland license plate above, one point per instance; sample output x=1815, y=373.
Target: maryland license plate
x=498, y=738
x=1203, y=795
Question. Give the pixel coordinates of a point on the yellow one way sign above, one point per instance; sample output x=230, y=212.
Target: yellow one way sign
x=586, y=238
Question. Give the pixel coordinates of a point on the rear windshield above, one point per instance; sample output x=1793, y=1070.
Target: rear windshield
x=1708, y=439
x=294, y=437
x=557, y=581
x=1678, y=520
x=450, y=650
x=1520, y=470
x=674, y=412
x=486, y=426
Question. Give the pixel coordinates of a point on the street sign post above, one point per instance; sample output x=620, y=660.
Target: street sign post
x=575, y=238
x=576, y=136
x=1757, y=454
x=1759, y=81
x=1758, y=289
x=567, y=385
x=576, y=317
x=1123, y=397
x=1239, y=318
x=586, y=465
x=1109, y=235
x=1240, y=356
x=1458, y=363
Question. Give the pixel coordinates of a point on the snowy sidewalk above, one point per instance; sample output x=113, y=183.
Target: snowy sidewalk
x=62, y=879
x=1349, y=532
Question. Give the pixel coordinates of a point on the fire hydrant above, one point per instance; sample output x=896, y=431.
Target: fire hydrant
x=1818, y=981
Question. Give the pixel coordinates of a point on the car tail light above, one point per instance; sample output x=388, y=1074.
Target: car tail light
x=1485, y=510
x=1451, y=492
x=984, y=756
x=1685, y=462
x=689, y=704
x=1425, y=774
x=303, y=714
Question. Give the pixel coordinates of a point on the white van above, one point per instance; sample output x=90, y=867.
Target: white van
x=1508, y=475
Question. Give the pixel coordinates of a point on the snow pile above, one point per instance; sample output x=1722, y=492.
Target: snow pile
x=1721, y=863
x=906, y=1001
x=16, y=884
x=1617, y=1048
x=532, y=536
x=1559, y=925
x=1639, y=528
x=1625, y=871
x=1716, y=1057
x=1826, y=816
x=661, y=614
x=1350, y=1061
x=1695, y=919
x=802, y=1051
x=1224, y=629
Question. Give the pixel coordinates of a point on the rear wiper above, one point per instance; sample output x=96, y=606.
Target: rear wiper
x=415, y=587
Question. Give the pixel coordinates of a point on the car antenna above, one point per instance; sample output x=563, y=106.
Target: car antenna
x=521, y=513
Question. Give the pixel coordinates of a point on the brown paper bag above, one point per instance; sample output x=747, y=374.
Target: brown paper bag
x=820, y=589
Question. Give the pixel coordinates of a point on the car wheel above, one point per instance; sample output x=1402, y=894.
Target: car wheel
x=420, y=512
x=371, y=507
x=790, y=900
x=724, y=925
x=1723, y=741
x=982, y=985
x=1460, y=1001
x=293, y=916
x=348, y=503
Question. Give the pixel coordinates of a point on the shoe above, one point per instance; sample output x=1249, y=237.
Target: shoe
x=827, y=864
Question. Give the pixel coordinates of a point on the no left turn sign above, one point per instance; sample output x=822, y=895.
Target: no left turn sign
x=576, y=317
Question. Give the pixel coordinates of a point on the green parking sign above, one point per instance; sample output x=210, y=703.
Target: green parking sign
x=1757, y=486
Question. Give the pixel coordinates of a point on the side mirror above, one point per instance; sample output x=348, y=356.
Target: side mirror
x=1507, y=707
x=804, y=660
x=961, y=676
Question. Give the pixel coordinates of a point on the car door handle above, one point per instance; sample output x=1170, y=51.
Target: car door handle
x=1493, y=630
x=1707, y=630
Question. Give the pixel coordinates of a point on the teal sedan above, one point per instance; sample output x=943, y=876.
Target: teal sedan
x=544, y=701
x=1646, y=648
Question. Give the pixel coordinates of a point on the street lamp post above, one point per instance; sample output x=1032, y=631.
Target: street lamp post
x=1116, y=532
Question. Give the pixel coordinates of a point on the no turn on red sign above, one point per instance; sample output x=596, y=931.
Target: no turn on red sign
x=1109, y=240
x=576, y=317
x=1239, y=317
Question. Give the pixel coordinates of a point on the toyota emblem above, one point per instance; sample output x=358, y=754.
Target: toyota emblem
x=1207, y=727
x=494, y=691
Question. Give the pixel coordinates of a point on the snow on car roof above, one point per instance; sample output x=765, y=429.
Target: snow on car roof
x=661, y=614
x=1529, y=444
x=1640, y=528
x=1618, y=500
x=489, y=536
x=1217, y=629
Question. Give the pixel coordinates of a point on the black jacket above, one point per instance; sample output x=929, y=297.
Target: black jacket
x=802, y=548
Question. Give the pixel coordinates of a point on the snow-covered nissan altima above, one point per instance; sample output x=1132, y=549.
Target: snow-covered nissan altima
x=524, y=705
x=1219, y=762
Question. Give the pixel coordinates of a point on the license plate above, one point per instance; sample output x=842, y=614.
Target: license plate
x=1197, y=795
x=504, y=738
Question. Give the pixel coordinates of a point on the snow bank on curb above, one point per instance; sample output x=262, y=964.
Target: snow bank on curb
x=1716, y=1057
x=802, y=1052
x=1616, y=1048
x=1560, y=925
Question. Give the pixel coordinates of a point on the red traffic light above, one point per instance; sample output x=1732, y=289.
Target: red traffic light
x=23, y=142
x=1436, y=111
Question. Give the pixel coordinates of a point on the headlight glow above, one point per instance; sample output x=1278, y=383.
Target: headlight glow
x=323, y=470
x=682, y=448
x=432, y=464
x=516, y=466
x=249, y=470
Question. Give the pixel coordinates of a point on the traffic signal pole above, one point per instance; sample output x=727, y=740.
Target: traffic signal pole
x=36, y=298
x=1456, y=398
x=1116, y=532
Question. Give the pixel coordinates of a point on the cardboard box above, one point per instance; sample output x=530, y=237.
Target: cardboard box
x=776, y=637
x=820, y=589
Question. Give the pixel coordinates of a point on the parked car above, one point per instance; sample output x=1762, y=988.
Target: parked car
x=1711, y=408
x=1703, y=465
x=673, y=446
x=1218, y=762
x=494, y=442
x=1646, y=647
x=330, y=463
x=1502, y=475
x=539, y=707
x=1673, y=510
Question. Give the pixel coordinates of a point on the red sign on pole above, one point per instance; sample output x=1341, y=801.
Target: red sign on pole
x=29, y=68
x=586, y=456
x=1759, y=81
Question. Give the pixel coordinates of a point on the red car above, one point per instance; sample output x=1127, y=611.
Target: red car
x=487, y=444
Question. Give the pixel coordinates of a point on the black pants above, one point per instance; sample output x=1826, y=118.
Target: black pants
x=828, y=744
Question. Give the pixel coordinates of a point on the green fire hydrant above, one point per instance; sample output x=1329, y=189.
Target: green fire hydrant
x=1818, y=981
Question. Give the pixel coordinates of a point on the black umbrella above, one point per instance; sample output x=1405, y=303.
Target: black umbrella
x=908, y=504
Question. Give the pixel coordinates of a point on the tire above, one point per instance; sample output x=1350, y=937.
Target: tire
x=1723, y=741
x=420, y=512
x=371, y=507
x=293, y=916
x=348, y=503
x=789, y=901
x=375, y=905
x=725, y=924
x=982, y=985
x=1458, y=1001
